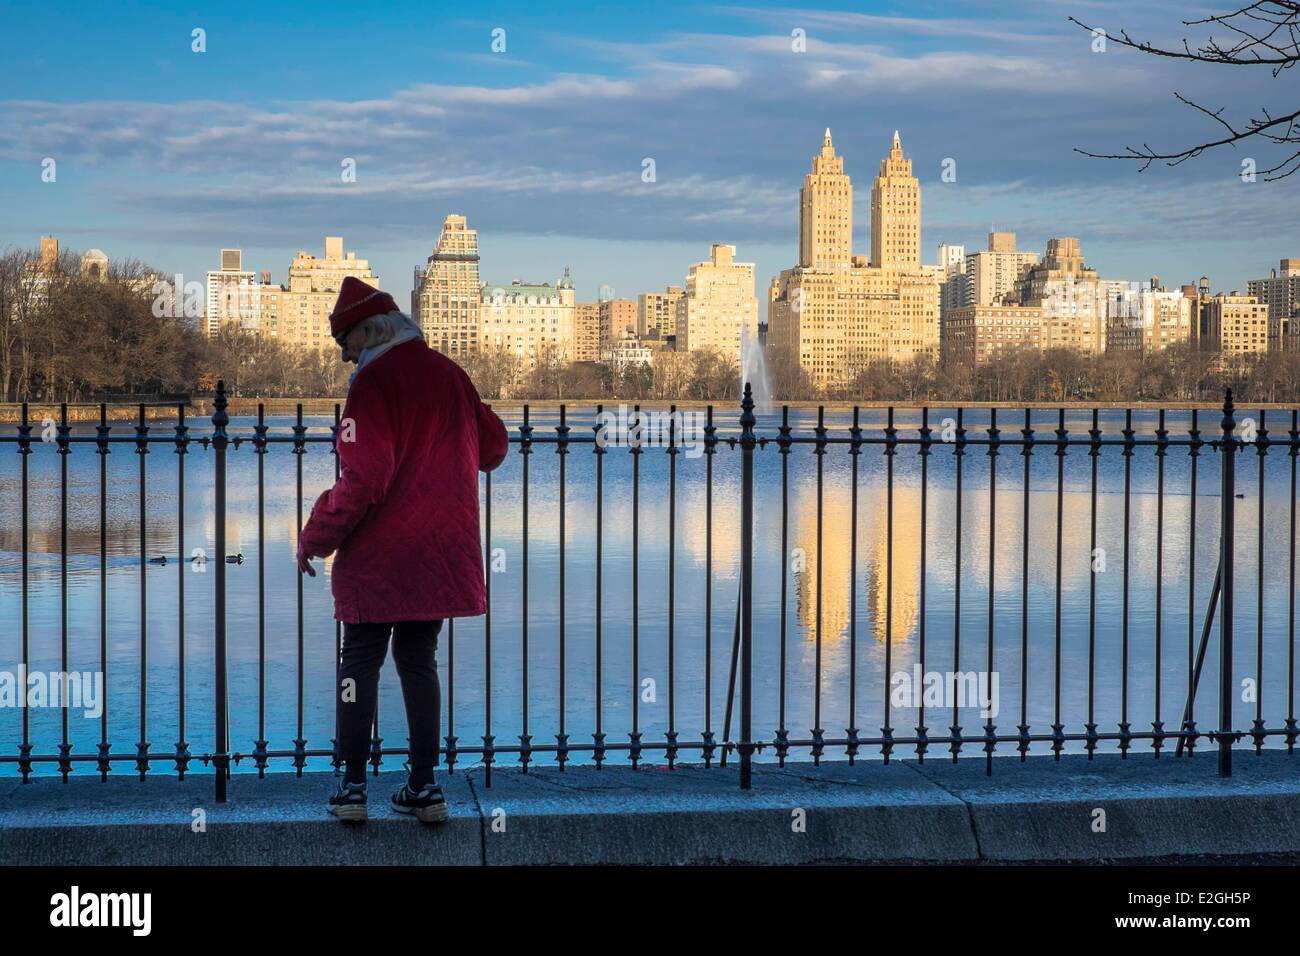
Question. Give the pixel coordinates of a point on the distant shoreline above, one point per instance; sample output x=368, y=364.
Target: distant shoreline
x=199, y=410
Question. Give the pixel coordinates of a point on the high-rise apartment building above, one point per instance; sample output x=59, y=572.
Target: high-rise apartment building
x=974, y=334
x=297, y=313
x=586, y=332
x=952, y=277
x=950, y=255
x=1147, y=318
x=895, y=213
x=1197, y=295
x=1072, y=298
x=718, y=309
x=1235, y=325
x=233, y=298
x=617, y=317
x=826, y=213
x=992, y=273
x=1281, y=293
x=532, y=322
x=448, y=292
x=836, y=312
x=656, y=313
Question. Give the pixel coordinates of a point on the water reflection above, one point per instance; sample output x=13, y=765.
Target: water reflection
x=264, y=636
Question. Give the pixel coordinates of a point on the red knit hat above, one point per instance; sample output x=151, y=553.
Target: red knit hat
x=358, y=301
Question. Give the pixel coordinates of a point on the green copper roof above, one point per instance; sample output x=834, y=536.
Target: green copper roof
x=507, y=289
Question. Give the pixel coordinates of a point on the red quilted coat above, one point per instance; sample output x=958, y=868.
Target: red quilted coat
x=404, y=514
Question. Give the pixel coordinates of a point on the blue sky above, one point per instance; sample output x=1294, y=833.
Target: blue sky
x=168, y=155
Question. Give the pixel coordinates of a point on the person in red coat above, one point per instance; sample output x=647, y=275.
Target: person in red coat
x=402, y=522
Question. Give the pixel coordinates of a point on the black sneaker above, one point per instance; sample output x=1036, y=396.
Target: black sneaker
x=428, y=804
x=348, y=802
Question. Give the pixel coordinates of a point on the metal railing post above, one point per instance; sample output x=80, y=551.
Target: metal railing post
x=1227, y=499
x=219, y=422
x=747, y=442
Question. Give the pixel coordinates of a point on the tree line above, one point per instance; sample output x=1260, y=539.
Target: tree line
x=704, y=375
x=1178, y=373
x=66, y=336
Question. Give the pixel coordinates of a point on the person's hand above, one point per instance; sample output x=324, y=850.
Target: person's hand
x=304, y=561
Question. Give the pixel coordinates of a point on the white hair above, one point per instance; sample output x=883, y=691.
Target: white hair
x=382, y=328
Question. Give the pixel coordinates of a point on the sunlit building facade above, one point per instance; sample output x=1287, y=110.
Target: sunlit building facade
x=297, y=313
x=718, y=309
x=991, y=274
x=1147, y=318
x=586, y=332
x=656, y=313
x=1235, y=325
x=231, y=296
x=836, y=312
x=448, y=291
x=1072, y=298
x=532, y=322
x=627, y=351
x=1281, y=293
x=974, y=334
x=617, y=319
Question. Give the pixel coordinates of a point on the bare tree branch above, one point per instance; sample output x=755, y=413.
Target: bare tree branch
x=1264, y=33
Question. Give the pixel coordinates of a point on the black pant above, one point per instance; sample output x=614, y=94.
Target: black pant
x=415, y=648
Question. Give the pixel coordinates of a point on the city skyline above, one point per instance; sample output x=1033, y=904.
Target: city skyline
x=831, y=314
x=542, y=145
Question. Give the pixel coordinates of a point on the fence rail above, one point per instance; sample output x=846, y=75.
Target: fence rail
x=1016, y=435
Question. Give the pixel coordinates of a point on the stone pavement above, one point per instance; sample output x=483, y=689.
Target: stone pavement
x=1038, y=810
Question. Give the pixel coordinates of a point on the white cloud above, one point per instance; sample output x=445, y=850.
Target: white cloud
x=730, y=119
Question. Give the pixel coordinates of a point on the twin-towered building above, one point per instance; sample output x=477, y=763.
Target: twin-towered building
x=835, y=312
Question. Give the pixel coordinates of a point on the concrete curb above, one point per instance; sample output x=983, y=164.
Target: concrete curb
x=276, y=820
x=1038, y=810
x=1044, y=810
x=694, y=815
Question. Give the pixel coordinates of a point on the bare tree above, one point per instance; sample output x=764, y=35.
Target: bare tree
x=493, y=369
x=545, y=378
x=582, y=380
x=1264, y=35
x=635, y=380
x=11, y=287
x=714, y=376
x=672, y=374
x=789, y=379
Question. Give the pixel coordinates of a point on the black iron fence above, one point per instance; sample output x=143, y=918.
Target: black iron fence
x=1008, y=433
